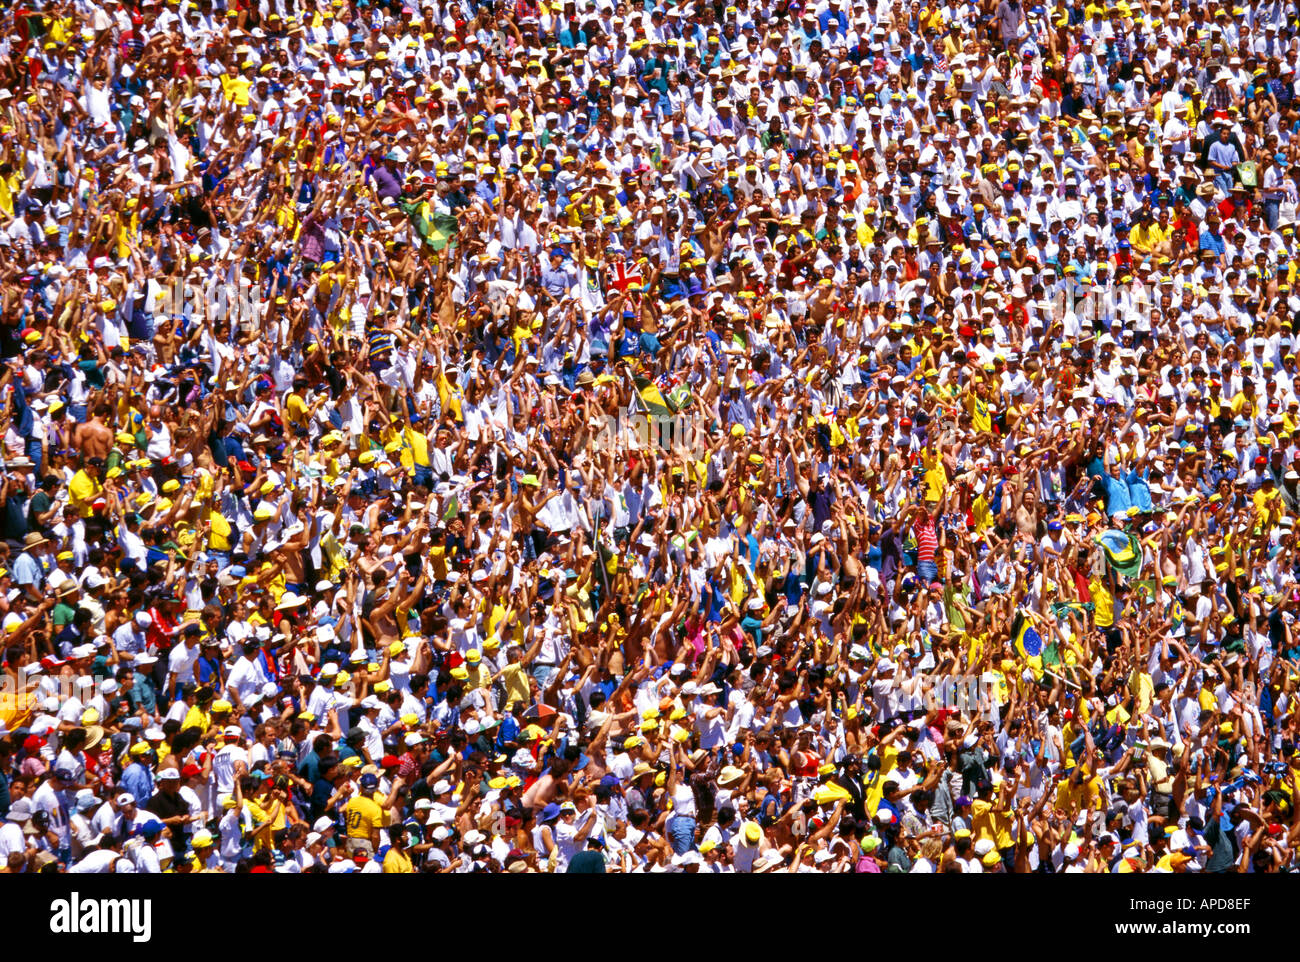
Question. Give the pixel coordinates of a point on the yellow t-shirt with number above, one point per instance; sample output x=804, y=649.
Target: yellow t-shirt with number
x=363, y=816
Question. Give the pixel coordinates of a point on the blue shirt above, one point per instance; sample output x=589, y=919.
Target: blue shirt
x=556, y=282
x=28, y=571
x=26, y=420
x=1223, y=152
x=128, y=639
x=1117, y=495
x=137, y=780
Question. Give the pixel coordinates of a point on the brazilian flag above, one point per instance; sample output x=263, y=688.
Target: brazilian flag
x=1025, y=637
x=1028, y=643
x=655, y=403
x=679, y=397
x=1062, y=609
x=444, y=229
x=437, y=230
x=1051, y=655
x=1123, y=552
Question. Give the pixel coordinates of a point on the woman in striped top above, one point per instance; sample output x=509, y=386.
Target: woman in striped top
x=927, y=543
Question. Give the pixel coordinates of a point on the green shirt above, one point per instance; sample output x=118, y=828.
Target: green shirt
x=63, y=614
x=39, y=504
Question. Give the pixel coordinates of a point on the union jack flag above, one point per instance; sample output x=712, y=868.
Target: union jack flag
x=623, y=277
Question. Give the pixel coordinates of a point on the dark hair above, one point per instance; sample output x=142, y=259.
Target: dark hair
x=185, y=740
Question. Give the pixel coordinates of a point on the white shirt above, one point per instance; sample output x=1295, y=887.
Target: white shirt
x=223, y=766
x=180, y=662
x=246, y=677
x=98, y=862
x=11, y=839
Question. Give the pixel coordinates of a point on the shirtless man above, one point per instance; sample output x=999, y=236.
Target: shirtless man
x=383, y=620
x=292, y=552
x=94, y=438
x=528, y=509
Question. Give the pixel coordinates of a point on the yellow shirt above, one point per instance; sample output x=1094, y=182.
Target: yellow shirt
x=196, y=717
x=268, y=826
x=219, y=531
x=479, y=676
x=236, y=89
x=516, y=682
x=978, y=409
x=875, y=782
x=296, y=410
x=418, y=442
x=936, y=475
x=1072, y=798
x=449, y=397
x=1240, y=403
x=8, y=188
x=82, y=490
x=363, y=816
x=1264, y=500
x=397, y=863
x=1142, y=687
x=991, y=823
x=438, y=557
x=1145, y=240
x=1103, y=605
x=515, y=631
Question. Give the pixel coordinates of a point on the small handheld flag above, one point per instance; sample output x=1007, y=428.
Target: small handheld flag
x=1025, y=637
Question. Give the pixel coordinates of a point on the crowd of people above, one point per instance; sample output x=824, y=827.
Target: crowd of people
x=591, y=436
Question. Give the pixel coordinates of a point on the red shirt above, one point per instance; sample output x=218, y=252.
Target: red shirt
x=1188, y=224
x=161, y=631
x=927, y=542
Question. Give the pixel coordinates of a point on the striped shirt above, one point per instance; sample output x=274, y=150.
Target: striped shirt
x=381, y=343
x=927, y=542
